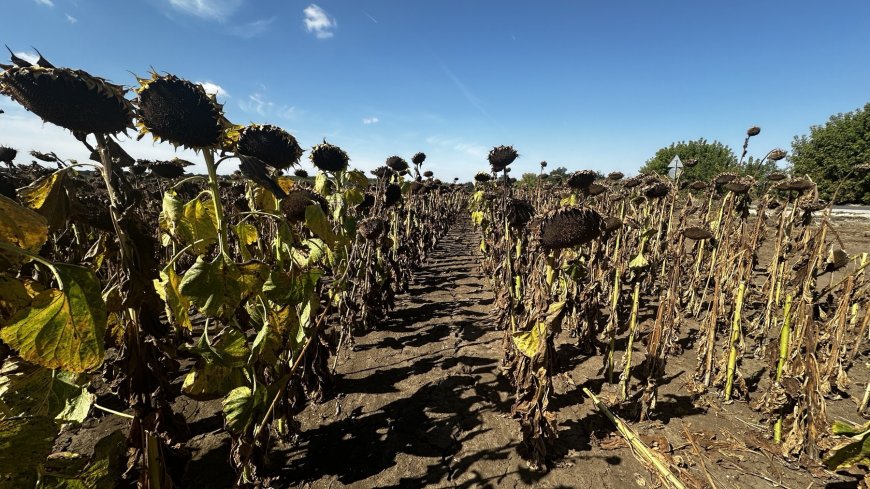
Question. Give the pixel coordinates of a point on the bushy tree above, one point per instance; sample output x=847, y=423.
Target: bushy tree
x=713, y=158
x=830, y=153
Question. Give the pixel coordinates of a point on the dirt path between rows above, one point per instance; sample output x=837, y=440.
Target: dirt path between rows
x=421, y=402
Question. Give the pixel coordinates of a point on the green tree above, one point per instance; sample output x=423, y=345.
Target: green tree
x=528, y=180
x=713, y=158
x=830, y=154
x=559, y=172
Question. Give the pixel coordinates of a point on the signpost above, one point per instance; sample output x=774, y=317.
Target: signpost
x=675, y=168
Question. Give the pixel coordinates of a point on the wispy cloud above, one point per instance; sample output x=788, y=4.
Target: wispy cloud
x=472, y=99
x=369, y=16
x=47, y=3
x=71, y=19
x=370, y=120
x=218, y=10
x=457, y=144
x=319, y=22
x=252, y=29
x=257, y=103
x=213, y=89
x=28, y=56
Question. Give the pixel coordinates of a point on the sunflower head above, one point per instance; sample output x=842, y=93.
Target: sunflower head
x=501, y=156
x=657, y=190
x=72, y=99
x=397, y=163
x=776, y=176
x=482, y=177
x=7, y=155
x=328, y=157
x=392, y=195
x=753, y=131
x=270, y=144
x=371, y=228
x=294, y=204
x=690, y=163
x=367, y=203
x=418, y=158
x=723, y=178
x=615, y=176
x=777, y=154
x=300, y=173
x=428, y=174
x=697, y=233
x=382, y=172
x=519, y=212
x=568, y=227
x=180, y=112
x=581, y=180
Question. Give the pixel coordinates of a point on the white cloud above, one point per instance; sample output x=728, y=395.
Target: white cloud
x=27, y=56
x=370, y=120
x=213, y=89
x=319, y=22
x=257, y=103
x=47, y=3
x=71, y=19
x=207, y=9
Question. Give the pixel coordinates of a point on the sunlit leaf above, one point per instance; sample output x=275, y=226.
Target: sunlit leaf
x=31, y=390
x=177, y=305
x=20, y=227
x=319, y=224
x=48, y=196
x=854, y=453
x=240, y=407
x=62, y=328
x=528, y=342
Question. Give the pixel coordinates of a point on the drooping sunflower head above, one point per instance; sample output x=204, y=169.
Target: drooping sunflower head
x=383, y=172
x=371, y=228
x=581, y=180
x=753, y=131
x=397, y=163
x=270, y=144
x=428, y=174
x=723, y=178
x=615, y=176
x=502, y=156
x=697, y=233
x=300, y=173
x=367, y=203
x=392, y=195
x=777, y=154
x=328, y=157
x=482, y=177
x=418, y=158
x=7, y=155
x=568, y=227
x=294, y=204
x=519, y=212
x=181, y=113
x=72, y=99
x=776, y=176
x=740, y=185
x=657, y=190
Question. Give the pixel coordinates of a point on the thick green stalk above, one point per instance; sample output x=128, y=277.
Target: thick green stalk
x=625, y=378
x=216, y=200
x=735, y=337
x=784, y=339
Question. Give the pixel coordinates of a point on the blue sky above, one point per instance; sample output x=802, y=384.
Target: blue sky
x=598, y=85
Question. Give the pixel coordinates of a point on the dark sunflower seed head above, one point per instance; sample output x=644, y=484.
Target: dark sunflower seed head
x=502, y=156
x=777, y=154
x=7, y=154
x=180, y=112
x=753, y=131
x=392, y=195
x=294, y=204
x=697, y=233
x=270, y=144
x=581, y=180
x=428, y=174
x=397, y=163
x=482, y=177
x=72, y=99
x=371, y=228
x=328, y=157
x=418, y=158
x=615, y=176
x=568, y=227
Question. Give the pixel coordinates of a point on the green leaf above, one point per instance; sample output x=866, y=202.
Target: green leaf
x=291, y=288
x=48, y=196
x=31, y=390
x=62, y=328
x=177, y=305
x=194, y=223
x=218, y=287
x=209, y=381
x=229, y=350
x=240, y=406
x=20, y=227
x=248, y=236
x=13, y=297
x=24, y=445
x=854, y=453
x=319, y=224
x=320, y=184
